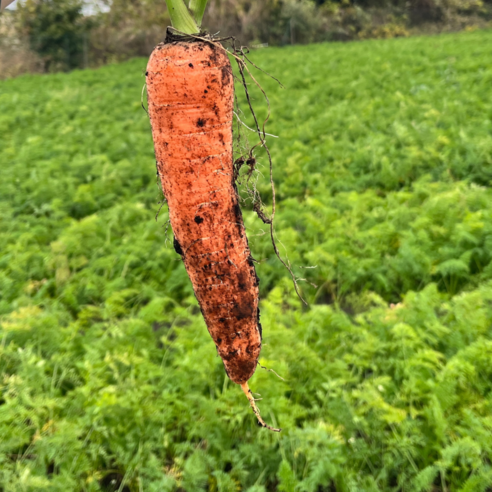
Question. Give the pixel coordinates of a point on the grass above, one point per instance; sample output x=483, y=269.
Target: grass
x=110, y=381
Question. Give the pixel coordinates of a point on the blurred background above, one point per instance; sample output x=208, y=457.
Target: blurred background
x=51, y=35
x=109, y=380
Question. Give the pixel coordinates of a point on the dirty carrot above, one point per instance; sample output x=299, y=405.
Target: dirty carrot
x=190, y=102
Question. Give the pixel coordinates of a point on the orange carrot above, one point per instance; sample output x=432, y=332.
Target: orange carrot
x=190, y=98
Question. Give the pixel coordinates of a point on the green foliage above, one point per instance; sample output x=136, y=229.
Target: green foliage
x=109, y=379
x=383, y=168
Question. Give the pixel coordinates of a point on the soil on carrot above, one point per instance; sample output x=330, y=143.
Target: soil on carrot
x=244, y=152
x=196, y=171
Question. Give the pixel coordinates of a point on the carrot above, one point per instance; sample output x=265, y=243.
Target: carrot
x=190, y=102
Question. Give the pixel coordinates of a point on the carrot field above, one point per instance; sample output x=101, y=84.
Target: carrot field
x=109, y=380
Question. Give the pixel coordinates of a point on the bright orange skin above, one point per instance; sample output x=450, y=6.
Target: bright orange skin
x=190, y=97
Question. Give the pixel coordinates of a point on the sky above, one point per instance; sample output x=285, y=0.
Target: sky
x=90, y=6
x=11, y=6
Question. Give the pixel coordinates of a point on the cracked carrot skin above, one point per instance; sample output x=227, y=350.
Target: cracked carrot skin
x=190, y=100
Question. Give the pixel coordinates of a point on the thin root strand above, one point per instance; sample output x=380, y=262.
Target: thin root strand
x=256, y=410
x=271, y=370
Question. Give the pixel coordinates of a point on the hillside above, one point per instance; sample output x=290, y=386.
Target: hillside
x=109, y=379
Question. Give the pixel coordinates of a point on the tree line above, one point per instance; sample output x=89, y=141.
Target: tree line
x=67, y=34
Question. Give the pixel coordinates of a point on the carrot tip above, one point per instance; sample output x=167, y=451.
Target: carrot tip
x=256, y=410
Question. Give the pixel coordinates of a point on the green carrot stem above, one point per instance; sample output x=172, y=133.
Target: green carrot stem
x=181, y=19
x=198, y=8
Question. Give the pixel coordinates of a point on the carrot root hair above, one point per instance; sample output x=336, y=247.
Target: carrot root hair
x=256, y=410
